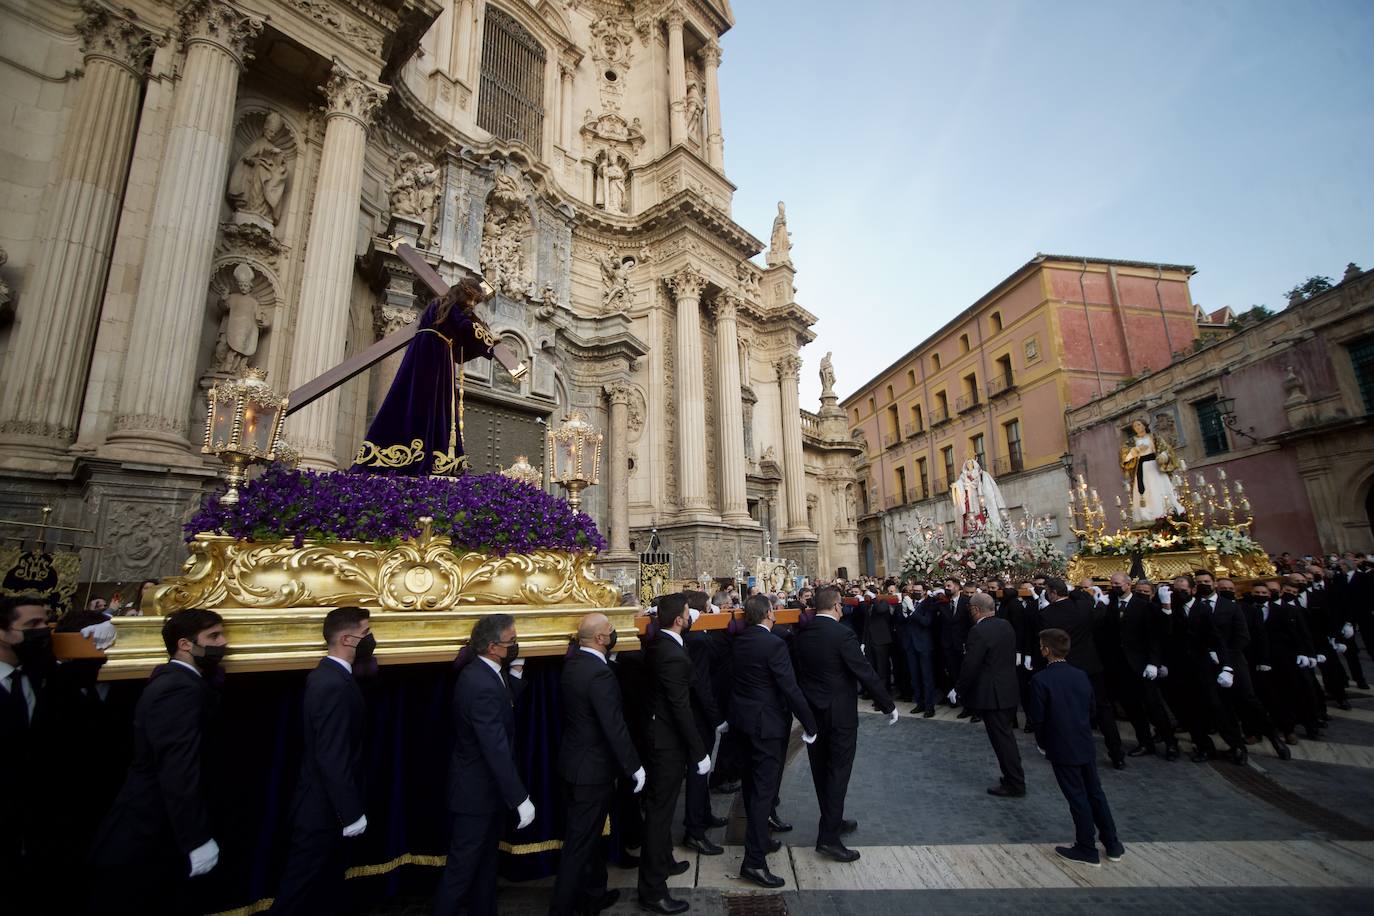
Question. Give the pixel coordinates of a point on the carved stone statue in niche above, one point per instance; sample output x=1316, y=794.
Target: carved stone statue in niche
x=612, y=174
x=780, y=247
x=414, y=187
x=615, y=271
x=827, y=376
x=694, y=107
x=502, y=251
x=244, y=319
x=257, y=183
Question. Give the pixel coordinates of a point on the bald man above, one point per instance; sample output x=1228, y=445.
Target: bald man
x=596, y=749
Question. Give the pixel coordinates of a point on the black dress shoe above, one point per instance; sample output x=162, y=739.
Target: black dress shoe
x=680, y=868
x=1239, y=755
x=702, y=845
x=963, y=714
x=848, y=826
x=1028, y=729
x=760, y=876
x=1201, y=756
x=1118, y=763
x=1142, y=750
x=1004, y=791
x=916, y=711
x=777, y=824
x=1280, y=748
x=975, y=719
x=774, y=846
x=666, y=904
x=714, y=821
x=604, y=902
x=837, y=851
x=727, y=788
x=1171, y=752
x=928, y=714
x=1361, y=686
x=1343, y=704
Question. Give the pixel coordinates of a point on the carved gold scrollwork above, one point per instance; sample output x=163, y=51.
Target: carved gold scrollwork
x=392, y=456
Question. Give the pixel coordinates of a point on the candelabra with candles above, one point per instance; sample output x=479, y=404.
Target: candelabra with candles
x=1087, y=520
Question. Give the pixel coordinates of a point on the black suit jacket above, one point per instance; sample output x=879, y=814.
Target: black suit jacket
x=987, y=679
x=1258, y=651
x=1060, y=709
x=1013, y=612
x=829, y=664
x=1139, y=627
x=331, y=790
x=596, y=744
x=701, y=649
x=482, y=777
x=766, y=687
x=955, y=622
x=878, y=622
x=1077, y=619
x=161, y=810
x=667, y=699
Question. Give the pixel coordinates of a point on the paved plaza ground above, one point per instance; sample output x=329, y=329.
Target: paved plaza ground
x=1273, y=837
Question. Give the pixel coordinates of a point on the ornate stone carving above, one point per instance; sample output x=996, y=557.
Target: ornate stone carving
x=504, y=232
x=635, y=414
x=672, y=494
x=827, y=376
x=613, y=130
x=141, y=536
x=388, y=319
x=748, y=281
x=414, y=190
x=686, y=283
x=694, y=105
x=789, y=368
x=727, y=307
x=350, y=96
x=780, y=247
x=221, y=24
x=257, y=182
x=111, y=37
x=330, y=15
x=612, y=48
x=618, y=392
x=6, y=294
x=615, y=274
x=244, y=317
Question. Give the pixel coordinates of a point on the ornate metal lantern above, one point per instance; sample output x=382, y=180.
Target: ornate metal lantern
x=574, y=456
x=243, y=426
x=524, y=472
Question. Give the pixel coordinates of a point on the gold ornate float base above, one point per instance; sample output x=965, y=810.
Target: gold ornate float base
x=424, y=597
x=1165, y=565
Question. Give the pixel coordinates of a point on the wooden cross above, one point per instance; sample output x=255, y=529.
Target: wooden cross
x=321, y=385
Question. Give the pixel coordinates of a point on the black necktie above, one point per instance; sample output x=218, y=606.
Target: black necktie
x=15, y=704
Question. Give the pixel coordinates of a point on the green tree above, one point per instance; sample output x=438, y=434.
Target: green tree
x=1310, y=287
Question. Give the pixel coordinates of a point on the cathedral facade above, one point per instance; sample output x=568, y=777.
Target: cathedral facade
x=203, y=186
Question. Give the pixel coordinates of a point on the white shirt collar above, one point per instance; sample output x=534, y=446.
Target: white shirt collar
x=827, y=617
x=763, y=627
x=674, y=634
x=491, y=664
x=177, y=661
x=347, y=666
x=6, y=669
x=596, y=653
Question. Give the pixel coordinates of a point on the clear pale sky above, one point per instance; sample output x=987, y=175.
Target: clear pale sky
x=928, y=149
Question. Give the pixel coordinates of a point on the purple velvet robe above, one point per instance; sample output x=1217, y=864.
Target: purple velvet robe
x=415, y=432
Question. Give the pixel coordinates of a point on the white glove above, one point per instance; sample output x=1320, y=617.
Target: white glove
x=1321, y=659
x=1164, y=593
x=526, y=811
x=1340, y=648
x=1026, y=662
x=892, y=719
x=861, y=648
x=808, y=739
x=723, y=727
x=517, y=668
x=639, y=777
x=103, y=634
x=204, y=857
x=1018, y=659
x=1347, y=631
x=1213, y=657
x=704, y=765
x=1225, y=679
x=1151, y=672
x=953, y=697
x=1302, y=661
x=1163, y=670
x=357, y=827
x=1263, y=668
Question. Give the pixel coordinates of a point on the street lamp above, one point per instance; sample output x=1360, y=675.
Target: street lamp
x=574, y=456
x=242, y=426
x=524, y=472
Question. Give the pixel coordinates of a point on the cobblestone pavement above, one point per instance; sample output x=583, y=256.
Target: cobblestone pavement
x=1282, y=838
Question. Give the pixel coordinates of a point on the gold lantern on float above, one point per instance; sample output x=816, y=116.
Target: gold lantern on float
x=524, y=472
x=243, y=426
x=574, y=456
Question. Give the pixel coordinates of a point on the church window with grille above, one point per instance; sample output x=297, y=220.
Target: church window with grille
x=1212, y=427
x=1362, y=358
x=511, y=102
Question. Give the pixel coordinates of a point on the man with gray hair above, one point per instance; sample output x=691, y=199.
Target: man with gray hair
x=987, y=684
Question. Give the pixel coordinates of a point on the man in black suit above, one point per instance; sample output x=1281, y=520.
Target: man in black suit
x=702, y=649
x=1078, y=617
x=765, y=689
x=330, y=795
x=1061, y=707
x=25, y=661
x=828, y=665
x=987, y=684
x=157, y=835
x=915, y=635
x=953, y=611
x=1138, y=627
x=1199, y=659
x=483, y=784
x=877, y=637
x=673, y=742
x=595, y=749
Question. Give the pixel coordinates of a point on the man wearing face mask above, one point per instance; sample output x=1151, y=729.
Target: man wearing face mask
x=1143, y=656
x=157, y=834
x=1204, y=670
x=330, y=795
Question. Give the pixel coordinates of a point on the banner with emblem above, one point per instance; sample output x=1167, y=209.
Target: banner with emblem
x=39, y=572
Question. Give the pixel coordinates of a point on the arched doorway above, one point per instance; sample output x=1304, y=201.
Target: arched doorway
x=869, y=562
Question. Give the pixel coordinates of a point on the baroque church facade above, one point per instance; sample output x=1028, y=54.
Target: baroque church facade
x=201, y=186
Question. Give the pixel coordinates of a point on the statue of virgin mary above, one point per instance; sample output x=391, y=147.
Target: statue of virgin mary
x=1147, y=460
x=977, y=499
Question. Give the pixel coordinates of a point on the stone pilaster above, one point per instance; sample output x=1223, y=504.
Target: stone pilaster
x=686, y=286
x=730, y=412
x=565, y=70
x=327, y=276
x=793, y=470
x=387, y=320
x=45, y=372
x=617, y=471
x=715, y=141
x=677, y=79
x=159, y=374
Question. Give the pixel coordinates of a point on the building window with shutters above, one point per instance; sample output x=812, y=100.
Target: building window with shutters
x=1210, y=425
x=1362, y=359
x=948, y=454
x=511, y=102
x=976, y=445
x=924, y=478
x=1014, y=457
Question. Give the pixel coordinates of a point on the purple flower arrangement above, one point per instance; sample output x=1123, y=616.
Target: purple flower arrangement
x=486, y=513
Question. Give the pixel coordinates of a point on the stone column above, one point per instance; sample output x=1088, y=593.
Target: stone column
x=387, y=320
x=715, y=142
x=443, y=39
x=617, y=471
x=49, y=355
x=565, y=68
x=677, y=79
x=327, y=277
x=793, y=470
x=686, y=286
x=730, y=410
x=461, y=60
x=160, y=371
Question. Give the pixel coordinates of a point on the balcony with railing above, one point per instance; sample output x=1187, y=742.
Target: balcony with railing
x=938, y=415
x=1011, y=465
x=891, y=441
x=1001, y=385
x=968, y=402
x=810, y=424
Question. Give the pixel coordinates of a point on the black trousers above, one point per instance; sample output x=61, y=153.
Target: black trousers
x=901, y=670
x=1204, y=710
x=1352, y=658
x=881, y=659
x=697, y=814
x=314, y=876
x=665, y=768
x=1245, y=705
x=1087, y=804
x=582, y=868
x=761, y=779
x=920, y=665
x=159, y=885
x=1105, y=716
x=953, y=657
x=997, y=722
x=1149, y=715
x=832, y=760
x=470, y=873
